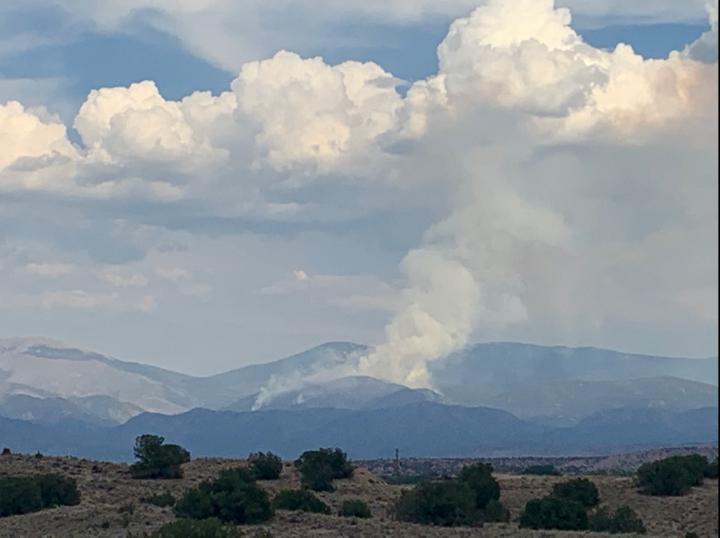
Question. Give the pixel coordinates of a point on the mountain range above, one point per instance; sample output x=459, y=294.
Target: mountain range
x=489, y=398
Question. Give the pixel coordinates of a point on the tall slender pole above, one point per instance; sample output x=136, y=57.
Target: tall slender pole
x=397, y=462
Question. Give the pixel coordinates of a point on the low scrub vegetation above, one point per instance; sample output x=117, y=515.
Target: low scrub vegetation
x=233, y=497
x=444, y=502
x=301, y=500
x=189, y=528
x=554, y=513
x=265, y=465
x=541, y=470
x=495, y=512
x=580, y=490
x=25, y=494
x=161, y=499
x=469, y=499
x=157, y=459
x=355, y=508
x=318, y=468
x=625, y=520
x=673, y=476
x=566, y=509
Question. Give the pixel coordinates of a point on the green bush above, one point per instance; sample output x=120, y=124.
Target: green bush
x=696, y=464
x=624, y=520
x=318, y=468
x=481, y=481
x=495, y=512
x=233, y=496
x=189, y=528
x=57, y=490
x=300, y=500
x=600, y=520
x=355, y=508
x=554, y=513
x=162, y=499
x=25, y=494
x=580, y=490
x=448, y=503
x=19, y=495
x=469, y=499
x=265, y=466
x=711, y=470
x=542, y=470
x=156, y=459
x=196, y=503
x=672, y=476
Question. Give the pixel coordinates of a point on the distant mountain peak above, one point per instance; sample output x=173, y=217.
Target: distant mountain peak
x=498, y=374
x=21, y=344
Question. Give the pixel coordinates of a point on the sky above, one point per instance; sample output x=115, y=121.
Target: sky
x=207, y=184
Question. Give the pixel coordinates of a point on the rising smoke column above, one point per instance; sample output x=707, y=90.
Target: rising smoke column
x=478, y=266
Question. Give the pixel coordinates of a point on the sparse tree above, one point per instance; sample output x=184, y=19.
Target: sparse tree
x=554, y=513
x=624, y=520
x=301, y=500
x=495, y=512
x=672, y=476
x=25, y=494
x=580, y=490
x=446, y=502
x=265, y=466
x=233, y=497
x=157, y=459
x=481, y=481
x=318, y=468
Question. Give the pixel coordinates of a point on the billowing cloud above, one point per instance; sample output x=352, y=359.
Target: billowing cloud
x=24, y=134
x=705, y=49
x=124, y=124
x=309, y=112
x=538, y=64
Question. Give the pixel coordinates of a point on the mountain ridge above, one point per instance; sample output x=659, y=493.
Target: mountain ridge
x=418, y=430
x=484, y=374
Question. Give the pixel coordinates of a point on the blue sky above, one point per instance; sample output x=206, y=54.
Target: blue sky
x=241, y=231
x=79, y=57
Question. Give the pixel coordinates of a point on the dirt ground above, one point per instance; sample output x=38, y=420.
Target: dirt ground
x=111, y=505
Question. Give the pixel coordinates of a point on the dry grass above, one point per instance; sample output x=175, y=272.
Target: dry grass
x=111, y=504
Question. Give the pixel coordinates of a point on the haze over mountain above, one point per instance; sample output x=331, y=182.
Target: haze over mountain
x=524, y=379
x=490, y=398
x=566, y=402
x=496, y=368
x=422, y=429
x=357, y=392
